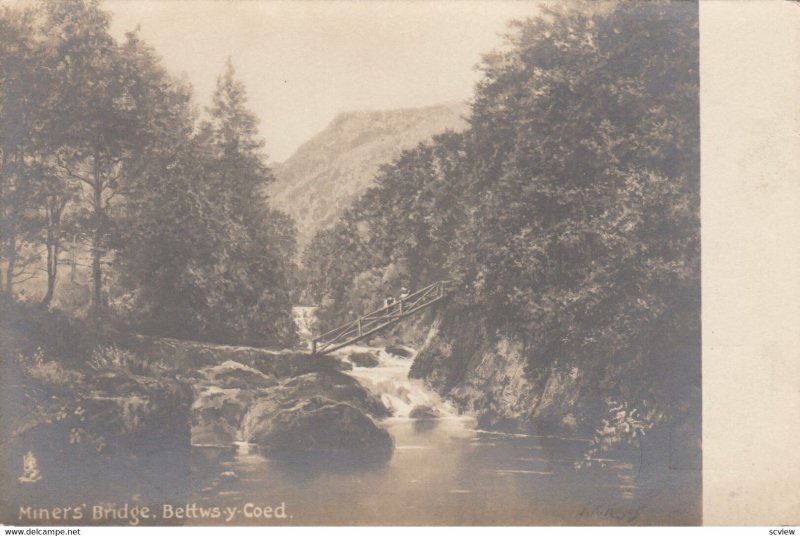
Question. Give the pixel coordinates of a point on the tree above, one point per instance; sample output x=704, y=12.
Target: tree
x=256, y=246
x=95, y=119
x=98, y=137
x=55, y=194
x=202, y=252
x=18, y=117
x=34, y=194
x=398, y=234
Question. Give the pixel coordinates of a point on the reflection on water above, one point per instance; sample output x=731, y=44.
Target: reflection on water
x=447, y=474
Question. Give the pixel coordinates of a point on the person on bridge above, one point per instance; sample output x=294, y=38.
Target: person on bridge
x=389, y=301
x=404, y=293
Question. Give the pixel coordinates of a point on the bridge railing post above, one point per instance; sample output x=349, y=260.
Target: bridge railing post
x=313, y=346
x=360, y=330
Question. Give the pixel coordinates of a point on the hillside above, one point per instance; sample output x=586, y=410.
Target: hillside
x=322, y=178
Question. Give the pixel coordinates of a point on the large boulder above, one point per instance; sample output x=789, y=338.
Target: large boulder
x=364, y=359
x=397, y=350
x=217, y=414
x=337, y=387
x=318, y=424
x=223, y=395
x=232, y=399
x=233, y=375
x=424, y=412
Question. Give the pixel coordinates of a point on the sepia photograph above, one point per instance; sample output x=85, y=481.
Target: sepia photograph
x=349, y=263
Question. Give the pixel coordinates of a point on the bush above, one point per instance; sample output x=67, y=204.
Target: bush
x=37, y=367
x=622, y=426
x=114, y=358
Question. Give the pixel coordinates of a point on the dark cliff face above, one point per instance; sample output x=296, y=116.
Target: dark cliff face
x=490, y=376
x=493, y=376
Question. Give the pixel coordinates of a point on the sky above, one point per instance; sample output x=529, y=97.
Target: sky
x=303, y=62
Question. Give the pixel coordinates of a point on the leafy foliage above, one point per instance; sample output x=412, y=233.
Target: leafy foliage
x=569, y=211
x=622, y=426
x=101, y=145
x=201, y=250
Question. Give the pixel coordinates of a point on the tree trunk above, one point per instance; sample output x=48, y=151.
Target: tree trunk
x=3, y=162
x=11, y=254
x=97, y=242
x=52, y=264
x=9, y=235
x=11, y=225
x=54, y=211
x=73, y=256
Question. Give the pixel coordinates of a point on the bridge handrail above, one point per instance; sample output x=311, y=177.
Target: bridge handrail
x=387, y=314
x=384, y=308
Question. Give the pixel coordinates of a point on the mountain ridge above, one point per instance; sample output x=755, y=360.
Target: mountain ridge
x=327, y=173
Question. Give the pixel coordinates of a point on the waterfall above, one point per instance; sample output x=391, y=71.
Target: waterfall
x=305, y=318
x=404, y=396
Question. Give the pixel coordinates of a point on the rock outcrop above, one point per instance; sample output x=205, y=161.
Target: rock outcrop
x=493, y=380
x=364, y=359
x=234, y=402
x=423, y=412
x=315, y=424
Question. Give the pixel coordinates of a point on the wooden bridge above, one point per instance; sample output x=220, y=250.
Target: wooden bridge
x=371, y=323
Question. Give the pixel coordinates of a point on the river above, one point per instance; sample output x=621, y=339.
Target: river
x=443, y=471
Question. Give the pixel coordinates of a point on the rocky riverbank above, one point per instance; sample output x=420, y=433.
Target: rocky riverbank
x=121, y=412
x=492, y=376
x=491, y=379
x=324, y=410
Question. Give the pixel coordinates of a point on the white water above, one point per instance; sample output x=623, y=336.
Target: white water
x=305, y=318
x=390, y=381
